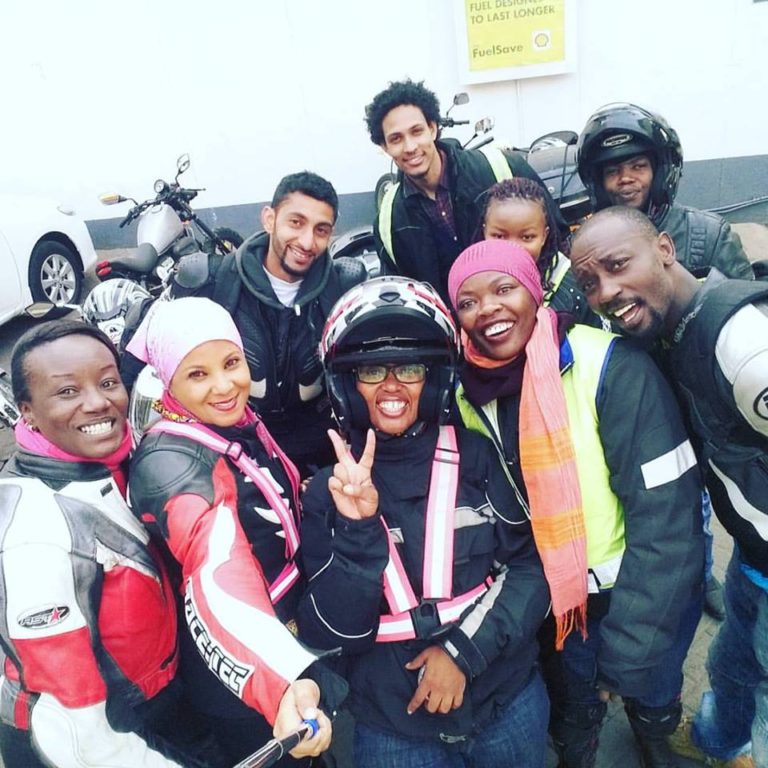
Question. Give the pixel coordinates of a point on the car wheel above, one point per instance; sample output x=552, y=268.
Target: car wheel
x=55, y=274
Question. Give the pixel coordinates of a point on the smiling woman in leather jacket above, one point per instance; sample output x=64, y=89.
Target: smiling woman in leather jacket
x=418, y=530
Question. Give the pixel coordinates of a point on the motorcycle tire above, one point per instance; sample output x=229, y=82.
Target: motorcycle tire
x=382, y=187
x=230, y=236
x=9, y=412
x=55, y=275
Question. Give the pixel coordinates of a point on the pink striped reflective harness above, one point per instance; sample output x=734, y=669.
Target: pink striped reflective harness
x=263, y=480
x=438, y=554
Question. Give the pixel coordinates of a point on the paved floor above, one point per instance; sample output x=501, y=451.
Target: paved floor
x=617, y=744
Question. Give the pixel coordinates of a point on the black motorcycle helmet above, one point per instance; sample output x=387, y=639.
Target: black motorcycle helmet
x=622, y=130
x=389, y=320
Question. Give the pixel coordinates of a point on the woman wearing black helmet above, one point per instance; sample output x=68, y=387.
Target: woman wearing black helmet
x=418, y=530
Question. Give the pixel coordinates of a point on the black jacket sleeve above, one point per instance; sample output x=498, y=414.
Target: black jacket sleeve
x=654, y=474
x=344, y=561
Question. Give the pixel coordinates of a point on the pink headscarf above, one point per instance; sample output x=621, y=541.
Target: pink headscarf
x=172, y=329
x=496, y=256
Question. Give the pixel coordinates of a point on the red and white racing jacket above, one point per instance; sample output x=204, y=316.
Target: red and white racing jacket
x=231, y=538
x=87, y=615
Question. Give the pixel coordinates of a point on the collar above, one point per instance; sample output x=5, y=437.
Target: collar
x=249, y=260
x=410, y=188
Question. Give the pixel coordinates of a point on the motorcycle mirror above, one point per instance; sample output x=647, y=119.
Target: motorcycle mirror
x=554, y=139
x=182, y=163
x=458, y=99
x=111, y=198
x=484, y=125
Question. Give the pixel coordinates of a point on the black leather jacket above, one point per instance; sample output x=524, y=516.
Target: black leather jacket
x=733, y=452
x=703, y=240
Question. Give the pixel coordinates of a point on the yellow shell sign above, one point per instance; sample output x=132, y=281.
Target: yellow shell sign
x=516, y=38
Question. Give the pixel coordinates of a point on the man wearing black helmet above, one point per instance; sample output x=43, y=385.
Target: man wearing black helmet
x=631, y=156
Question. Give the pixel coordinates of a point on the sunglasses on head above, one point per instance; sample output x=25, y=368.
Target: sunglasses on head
x=406, y=373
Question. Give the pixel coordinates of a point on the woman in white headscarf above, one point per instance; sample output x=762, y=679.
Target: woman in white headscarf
x=210, y=482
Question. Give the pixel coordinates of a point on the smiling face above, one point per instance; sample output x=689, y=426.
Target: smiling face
x=628, y=181
x=299, y=229
x=624, y=273
x=497, y=313
x=393, y=406
x=77, y=399
x=212, y=382
x=410, y=141
x=518, y=220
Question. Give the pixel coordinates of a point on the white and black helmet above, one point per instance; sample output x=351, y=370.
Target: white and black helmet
x=389, y=319
x=108, y=303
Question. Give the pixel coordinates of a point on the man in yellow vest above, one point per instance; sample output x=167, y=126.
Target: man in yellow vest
x=434, y=210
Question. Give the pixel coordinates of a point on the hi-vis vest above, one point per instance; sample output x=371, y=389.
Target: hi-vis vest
x=496, y=160
x=437, y=589
x=603, y=512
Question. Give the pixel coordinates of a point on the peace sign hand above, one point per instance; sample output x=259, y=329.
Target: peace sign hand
x=351, y=486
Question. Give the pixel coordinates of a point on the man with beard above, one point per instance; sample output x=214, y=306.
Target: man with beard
x=631, y=156
x=279, y=287
x=715, y=350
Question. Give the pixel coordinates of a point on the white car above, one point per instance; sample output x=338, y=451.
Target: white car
x=45, y=249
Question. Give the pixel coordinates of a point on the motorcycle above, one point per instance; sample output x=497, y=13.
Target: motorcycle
x=168, y=229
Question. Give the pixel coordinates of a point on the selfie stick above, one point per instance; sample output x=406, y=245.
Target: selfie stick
x=273, y=750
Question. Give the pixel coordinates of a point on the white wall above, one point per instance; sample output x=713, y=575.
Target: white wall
x=98, y=95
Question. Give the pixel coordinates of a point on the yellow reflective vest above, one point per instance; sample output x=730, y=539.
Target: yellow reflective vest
x=603, y=512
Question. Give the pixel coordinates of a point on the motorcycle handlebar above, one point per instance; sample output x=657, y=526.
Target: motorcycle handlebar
x=449, y=122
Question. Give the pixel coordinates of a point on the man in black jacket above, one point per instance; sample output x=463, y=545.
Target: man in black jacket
x=631, y=156
x=435, y=209
x=715, y=350
x=279, y=287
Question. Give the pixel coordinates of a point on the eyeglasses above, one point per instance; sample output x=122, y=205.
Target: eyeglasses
x=407, y=373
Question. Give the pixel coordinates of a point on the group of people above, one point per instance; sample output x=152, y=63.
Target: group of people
x=453, y=501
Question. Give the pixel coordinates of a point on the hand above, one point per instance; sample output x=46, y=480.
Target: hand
x=299, y=703
x=442, y=683
x=351, y=486
x=605, y=695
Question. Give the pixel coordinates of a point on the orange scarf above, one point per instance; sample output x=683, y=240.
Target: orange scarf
x=548, y=462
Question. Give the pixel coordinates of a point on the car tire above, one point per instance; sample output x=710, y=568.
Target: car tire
x=55, y=275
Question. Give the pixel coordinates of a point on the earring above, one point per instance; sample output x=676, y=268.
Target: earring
x=32, y=427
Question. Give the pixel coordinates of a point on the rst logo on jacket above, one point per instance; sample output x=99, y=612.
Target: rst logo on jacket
x=227, y=669
x=42, y=618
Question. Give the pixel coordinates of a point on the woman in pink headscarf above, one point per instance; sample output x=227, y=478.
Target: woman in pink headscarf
x=209, y=481
x=591, y=438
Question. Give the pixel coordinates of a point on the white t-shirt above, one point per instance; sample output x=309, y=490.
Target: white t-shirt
x=285, y=291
